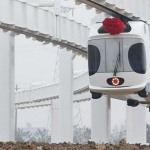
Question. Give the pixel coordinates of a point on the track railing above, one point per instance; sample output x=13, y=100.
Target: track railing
x=43, y=25
x=42, y=96
x=132, y=9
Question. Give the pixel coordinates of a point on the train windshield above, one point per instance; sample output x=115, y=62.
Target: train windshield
x=113, y=55
x=116, y=55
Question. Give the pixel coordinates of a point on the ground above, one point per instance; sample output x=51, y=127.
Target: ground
x=68, y=146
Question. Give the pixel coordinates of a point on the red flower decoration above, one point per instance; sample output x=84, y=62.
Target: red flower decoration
x=113, y=26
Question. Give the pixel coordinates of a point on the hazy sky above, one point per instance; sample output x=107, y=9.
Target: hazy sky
x=35, y=62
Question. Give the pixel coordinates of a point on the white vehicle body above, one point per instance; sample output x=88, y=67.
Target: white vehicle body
x=133, y=73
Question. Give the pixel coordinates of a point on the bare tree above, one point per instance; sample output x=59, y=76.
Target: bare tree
x=23, y=136
x=41, y=136
x=118, y=133
x=81, y=135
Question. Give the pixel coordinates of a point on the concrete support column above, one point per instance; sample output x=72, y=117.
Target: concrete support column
x=66, y=96
x=15, y=124
x=136, y=124
x=55, y=121
x=7, y=128
x=101, y=119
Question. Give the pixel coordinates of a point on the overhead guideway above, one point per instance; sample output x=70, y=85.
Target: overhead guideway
x=43, y=25
x=130, y=9
x=43, y=96
x=49, y=27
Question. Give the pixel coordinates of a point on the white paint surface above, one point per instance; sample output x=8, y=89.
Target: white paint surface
x=101, y=120
x=6, y=87
x=66, y=96
x=136, y=124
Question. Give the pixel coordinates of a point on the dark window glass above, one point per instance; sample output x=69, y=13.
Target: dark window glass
x=93, y=59
x=137, y=58
x=112, y=52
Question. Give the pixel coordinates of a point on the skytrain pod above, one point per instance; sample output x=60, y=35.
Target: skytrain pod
x=118, y=64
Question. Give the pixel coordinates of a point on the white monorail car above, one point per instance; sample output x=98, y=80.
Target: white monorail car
x=119, y=64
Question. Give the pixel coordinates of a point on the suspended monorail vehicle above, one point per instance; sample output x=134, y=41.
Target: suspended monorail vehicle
x=119, y=65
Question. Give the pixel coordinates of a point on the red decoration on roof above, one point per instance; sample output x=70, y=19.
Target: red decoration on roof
x=113, y=25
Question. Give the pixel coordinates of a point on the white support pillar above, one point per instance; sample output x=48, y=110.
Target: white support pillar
x=16, y=123
x=101, y=119
x=7, y=128
x=66, y=96
x=55, y=121
x=136, y=124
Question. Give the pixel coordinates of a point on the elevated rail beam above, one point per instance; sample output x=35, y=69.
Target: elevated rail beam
x=129, y=9
x=43, y=25
x=44, y=95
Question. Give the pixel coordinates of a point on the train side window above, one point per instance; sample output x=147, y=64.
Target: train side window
x=113, y=50
x=137, y=58
x=93, y=59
